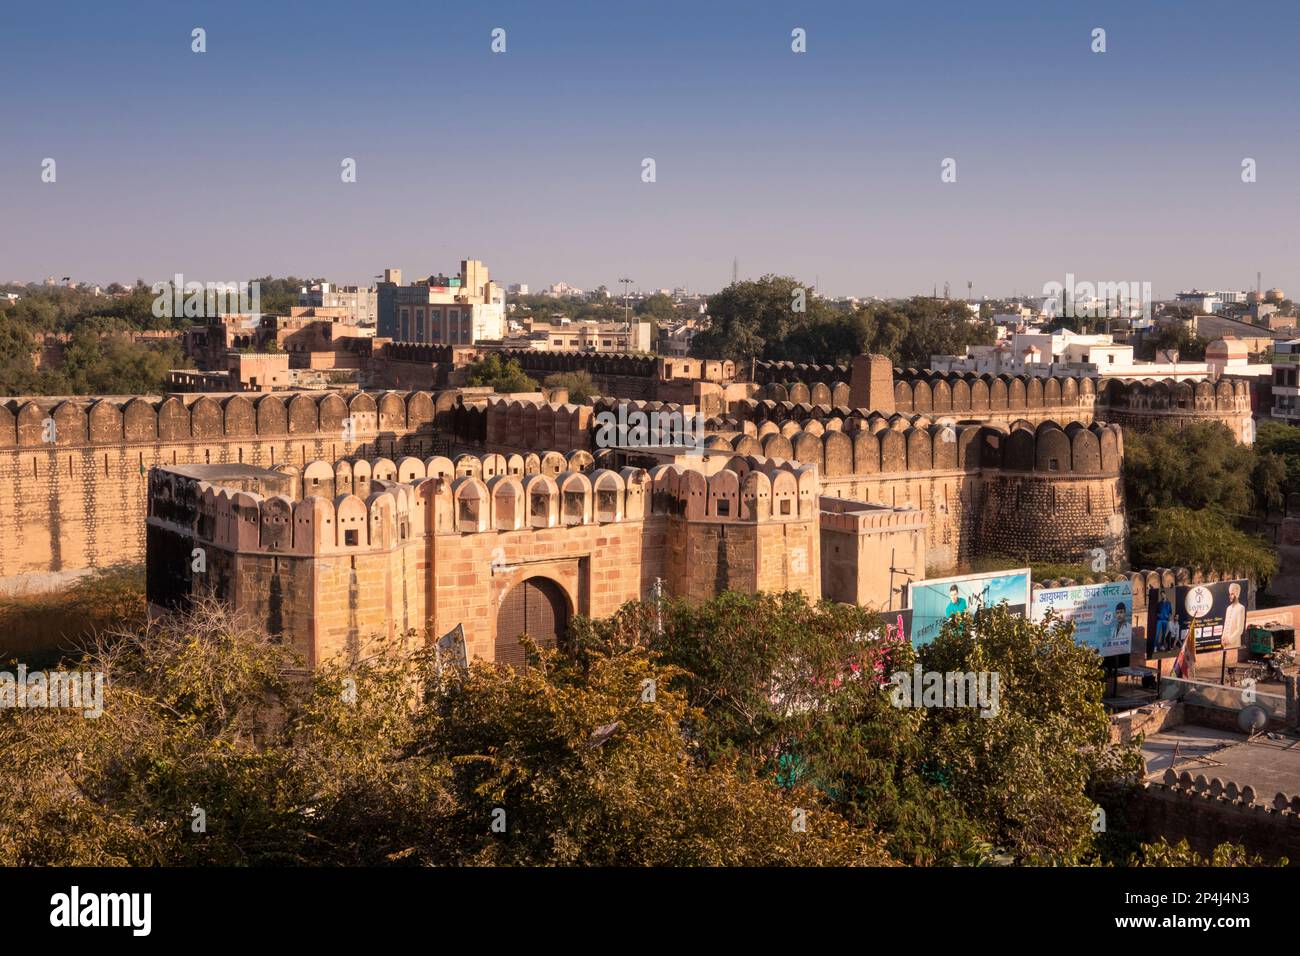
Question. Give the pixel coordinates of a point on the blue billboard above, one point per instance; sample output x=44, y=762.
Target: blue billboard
x=936, y=600
x=1102, y=614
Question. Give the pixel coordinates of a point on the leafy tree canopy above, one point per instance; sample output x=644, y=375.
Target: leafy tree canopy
x=1197, y=538
x=579, y=383
x=1196, y=466
x=778, y=317
x=799, y=692
x=501, y=376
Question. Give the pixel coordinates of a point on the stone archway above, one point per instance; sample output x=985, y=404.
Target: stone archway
x=537, y=607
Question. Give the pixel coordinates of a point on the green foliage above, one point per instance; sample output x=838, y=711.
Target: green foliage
x=505, y=376
x=1187, y=537
x=278, y=296
x=547, y=309
x=1175, y=335
x=534, y=743
x=1197, y=466
x=1282, y=442
x=385, y=761
x=1190, y=489
x=798, y=691
x=580, y=385
x=759, y=319
x=112, y=365
x=99, y=358
x=1163, y=853
x=1027, y=772
x=59, y=309
x=656, y=307
x=17, y=372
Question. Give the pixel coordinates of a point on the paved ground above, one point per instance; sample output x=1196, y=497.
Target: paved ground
x=1266, y=764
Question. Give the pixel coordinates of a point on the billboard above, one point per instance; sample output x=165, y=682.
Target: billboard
x=1102, y=614
x=898, y=624
x=1217, y=608
x=935, y=600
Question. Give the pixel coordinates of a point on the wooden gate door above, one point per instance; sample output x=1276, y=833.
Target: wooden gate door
x=536, y=607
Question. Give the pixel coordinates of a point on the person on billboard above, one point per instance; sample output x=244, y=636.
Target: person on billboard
x=1234, y=618
x=1123, y=636
x=1171, y=640
x=1164, y=613
x=956, y=603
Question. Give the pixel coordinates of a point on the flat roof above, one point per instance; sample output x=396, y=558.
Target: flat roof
x=1269, y=765
x=216, y=473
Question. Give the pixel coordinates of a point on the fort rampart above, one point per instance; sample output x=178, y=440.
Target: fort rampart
x=74, y=489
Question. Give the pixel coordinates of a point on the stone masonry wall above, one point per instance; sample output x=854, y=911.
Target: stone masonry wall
x=78, y=502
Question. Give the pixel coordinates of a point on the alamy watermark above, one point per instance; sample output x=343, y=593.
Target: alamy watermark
x=659, y=430
x=971, y=689
x=205, y=300
x=1091, y=300
x=69, y=690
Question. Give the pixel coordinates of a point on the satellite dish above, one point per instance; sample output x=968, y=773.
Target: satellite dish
x=1252, y=719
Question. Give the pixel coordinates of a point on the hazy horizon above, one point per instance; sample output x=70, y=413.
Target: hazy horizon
x=225, y=165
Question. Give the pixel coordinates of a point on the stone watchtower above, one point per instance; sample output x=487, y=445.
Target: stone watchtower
x=871, y=384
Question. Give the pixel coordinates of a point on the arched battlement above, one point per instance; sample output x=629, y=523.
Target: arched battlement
x=756, y=489
x=1142, y=403
x=1168, y=395
x=205, y=418
x=903, y=444
x=379, y=503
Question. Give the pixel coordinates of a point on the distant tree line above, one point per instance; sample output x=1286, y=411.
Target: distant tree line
x=780, y=318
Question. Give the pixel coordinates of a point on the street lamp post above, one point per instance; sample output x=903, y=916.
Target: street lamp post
x=627, y=321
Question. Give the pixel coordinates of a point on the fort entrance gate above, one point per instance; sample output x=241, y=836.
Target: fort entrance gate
x=536, y=607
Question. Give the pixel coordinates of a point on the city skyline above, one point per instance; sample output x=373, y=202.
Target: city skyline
x=818, y=164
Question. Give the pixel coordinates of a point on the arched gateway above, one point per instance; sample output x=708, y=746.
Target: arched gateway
x=536, y=607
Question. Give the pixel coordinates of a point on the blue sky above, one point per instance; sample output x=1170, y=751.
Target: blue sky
x=1122, y=166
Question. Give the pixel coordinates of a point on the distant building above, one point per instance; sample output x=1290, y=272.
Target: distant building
x=561, y=290
x=1258, y=339
x=246, y=372
x=1066, y=353
x=442, y=310
x=675, y=340
x=1201, y=301
x=1286, y=389
x=361, y=305
x=586, y=335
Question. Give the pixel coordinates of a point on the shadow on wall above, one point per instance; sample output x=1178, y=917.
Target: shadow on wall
x=39, y=629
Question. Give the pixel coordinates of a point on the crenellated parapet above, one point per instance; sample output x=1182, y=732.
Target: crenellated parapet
x=1216, y=788
x=516, y=424
x=826, y=394
x=748, y=490
x=602, y=364
x=961, y=395
x=900, y=444
x=775, y=372
x=1170, y=396
x=348, y=506
x=114, y=421
x=1143, y=581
